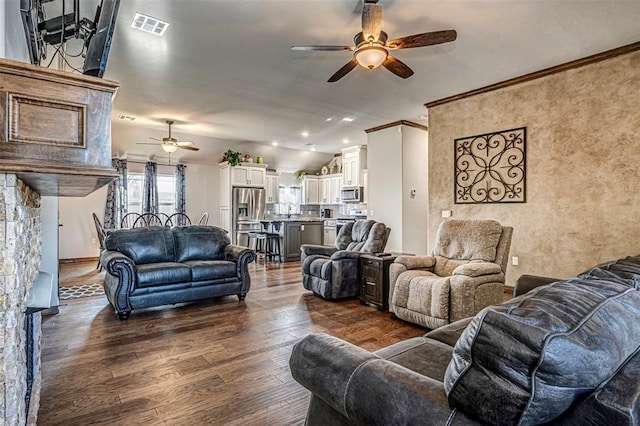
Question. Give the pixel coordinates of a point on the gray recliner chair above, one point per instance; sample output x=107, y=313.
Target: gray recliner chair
x=332, y=272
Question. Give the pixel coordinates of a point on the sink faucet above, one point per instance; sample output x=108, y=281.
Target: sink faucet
x=289, y=211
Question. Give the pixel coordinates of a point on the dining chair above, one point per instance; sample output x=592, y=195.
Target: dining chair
x=147, y=219
x=128, y=220
x=179, y=219
x=204, y=219
x=101, y=235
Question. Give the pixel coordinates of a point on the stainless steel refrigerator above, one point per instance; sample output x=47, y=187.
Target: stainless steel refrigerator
x=248, y=208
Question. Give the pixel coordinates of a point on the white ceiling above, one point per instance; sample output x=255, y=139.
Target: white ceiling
x=225, y=72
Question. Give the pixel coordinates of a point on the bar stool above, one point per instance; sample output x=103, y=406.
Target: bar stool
x=273, y=245
x=258, y=240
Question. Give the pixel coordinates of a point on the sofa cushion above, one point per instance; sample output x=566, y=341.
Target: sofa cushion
x=200, y=243
x=528, y=360
x=205, y=270
x=468, y=239
x=153, y=274
x=420, y=354
x=422, y=297
x=143, y=245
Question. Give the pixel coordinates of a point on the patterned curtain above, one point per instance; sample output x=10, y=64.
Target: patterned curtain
x=116, y=206
x=181, y=203
x=150, y=194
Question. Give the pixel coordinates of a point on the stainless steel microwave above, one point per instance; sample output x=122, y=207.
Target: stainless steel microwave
x=351, y=195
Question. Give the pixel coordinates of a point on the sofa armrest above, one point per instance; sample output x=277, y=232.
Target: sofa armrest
x=114, y=262
x=311, y=249
x=365, y=388
x=120, y=278
x=525, y=283
x=239, y=254
x=416, y=262
x=346, y=255
x=242, y=256
x=477, y=269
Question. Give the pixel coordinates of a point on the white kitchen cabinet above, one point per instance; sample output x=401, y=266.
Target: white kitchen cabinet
x=354, y=161
x=324, y=190
x=365, y=184
x=336, y=188
x=225, y=189
x=310, y=190
x=272, y=188
x=329, y=187
x=225, y=219
x=248, y=176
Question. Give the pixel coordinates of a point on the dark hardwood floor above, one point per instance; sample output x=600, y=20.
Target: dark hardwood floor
x=220, y=362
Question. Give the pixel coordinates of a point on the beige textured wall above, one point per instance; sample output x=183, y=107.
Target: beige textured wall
x=583, y=165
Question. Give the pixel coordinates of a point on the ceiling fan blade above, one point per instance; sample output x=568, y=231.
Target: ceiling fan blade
x=397, y=67
x=146, y=143
x=343, y=71
x=371, y=21
x=421, y=40
x=190, y=148
x=323, y=48
x=155, y=139
x=185, y=143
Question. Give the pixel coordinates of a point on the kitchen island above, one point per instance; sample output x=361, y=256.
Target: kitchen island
x=298, y=231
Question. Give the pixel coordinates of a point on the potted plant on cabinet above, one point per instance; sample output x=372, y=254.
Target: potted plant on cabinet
x=233, y=158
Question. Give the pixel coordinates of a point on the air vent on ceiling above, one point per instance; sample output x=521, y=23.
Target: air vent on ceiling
x=150, y=25
x=126, y=117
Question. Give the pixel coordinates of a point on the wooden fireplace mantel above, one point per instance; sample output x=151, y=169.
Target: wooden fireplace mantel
x=55, y=129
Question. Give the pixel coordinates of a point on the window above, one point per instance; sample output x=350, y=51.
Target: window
x=166, y=193
x=290, y=199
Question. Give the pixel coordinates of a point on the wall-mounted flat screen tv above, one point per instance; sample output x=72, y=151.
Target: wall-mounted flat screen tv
x=99, y=43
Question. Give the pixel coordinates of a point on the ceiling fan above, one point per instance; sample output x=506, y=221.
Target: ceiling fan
x=372, y=48
x=171, y=144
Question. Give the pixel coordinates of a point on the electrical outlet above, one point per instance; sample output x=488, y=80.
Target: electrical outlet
x=93, y=241
x=446, y=214
x=514, y=260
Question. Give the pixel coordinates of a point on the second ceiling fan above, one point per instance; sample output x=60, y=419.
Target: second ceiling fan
x=171, y=144
x=372, y=48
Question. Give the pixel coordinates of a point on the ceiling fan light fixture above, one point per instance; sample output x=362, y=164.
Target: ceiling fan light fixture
x=371, y=57
x=169, y=148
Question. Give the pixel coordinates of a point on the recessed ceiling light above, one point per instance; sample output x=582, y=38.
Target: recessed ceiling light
x=313, y=148
x=424, y=117
x=329, y=119
x=274, y=143
x=149, y=25
x=305, y=134
x=345, y=140
x=126, y=117
x=348, y=119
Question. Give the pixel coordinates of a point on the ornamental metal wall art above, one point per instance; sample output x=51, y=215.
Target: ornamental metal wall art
x=490, y=168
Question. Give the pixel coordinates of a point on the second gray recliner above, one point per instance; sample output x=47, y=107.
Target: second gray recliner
x=332, y=272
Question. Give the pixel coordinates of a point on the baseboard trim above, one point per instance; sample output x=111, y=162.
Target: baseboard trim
x=79, y=260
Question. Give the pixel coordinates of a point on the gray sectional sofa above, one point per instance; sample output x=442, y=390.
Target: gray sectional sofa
x=565, y=352
x=160, y=265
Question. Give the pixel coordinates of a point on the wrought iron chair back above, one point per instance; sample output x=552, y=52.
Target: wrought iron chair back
x=101, y=236
x=129, y=219
x=179, y=219
x=147, y=219
x=204, y=219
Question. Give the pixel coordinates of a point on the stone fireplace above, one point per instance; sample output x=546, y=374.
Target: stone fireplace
x=55, y=140
x=20, y=245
